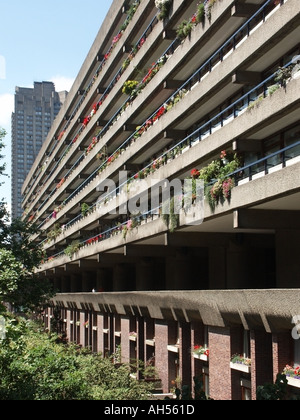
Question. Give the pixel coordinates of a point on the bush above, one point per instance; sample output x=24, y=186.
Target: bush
x=37, y=366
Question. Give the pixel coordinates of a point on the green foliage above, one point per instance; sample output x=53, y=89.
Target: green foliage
x=184, y=29
x=85, y=209
x=129, y=87
x=72, y=249
x=171, y=213
x=36, y=366
x=201, y=13
x=273, y=392
x=2, y=146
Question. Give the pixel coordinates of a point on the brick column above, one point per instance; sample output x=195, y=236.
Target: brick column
x=162, y=354
x=185, y=354
x=282, y=352
x=219, y=363
x=261, y=357
x=125, y=343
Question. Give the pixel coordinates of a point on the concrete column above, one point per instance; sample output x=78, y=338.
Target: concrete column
x=75, y=283
x=179, y=273
x=287, y=258
x=219, y=360
x=123, y=278
x=65, y=284
x=162, y=354
x=217, y=268
x=102, y=281
x=88, y=281
x=145, y=275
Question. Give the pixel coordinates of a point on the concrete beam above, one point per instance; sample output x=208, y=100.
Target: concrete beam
x=149, y=251
x=243, y=10
x=174, y=134
x=246, y=78
x=172, y=84
x=247, y=145
x=127, y=48
x=266, y=219
x=169, y=35
x=101, y=90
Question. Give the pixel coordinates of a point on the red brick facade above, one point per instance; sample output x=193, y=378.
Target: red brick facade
x=169, y=346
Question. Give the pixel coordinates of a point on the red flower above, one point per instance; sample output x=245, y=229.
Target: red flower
x=195, y=173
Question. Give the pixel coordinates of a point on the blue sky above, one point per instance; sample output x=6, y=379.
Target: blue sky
x=42, y=41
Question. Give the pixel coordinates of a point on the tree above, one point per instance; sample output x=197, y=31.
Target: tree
x=19, y=257
x=36, y=366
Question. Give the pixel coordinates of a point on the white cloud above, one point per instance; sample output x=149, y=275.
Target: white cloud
x=62, y=83
x=6, y=108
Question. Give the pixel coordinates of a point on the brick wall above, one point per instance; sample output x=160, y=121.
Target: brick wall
x=219, y=362
x=161, y=352
x=262, y=360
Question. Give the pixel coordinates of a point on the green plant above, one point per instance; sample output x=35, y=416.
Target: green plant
x=164, y=8
x=170, y=213
x=54, y=233
x=273, y=392
x=72, y=249
x=129, y=87
x=184, y=29
x=85, y=209
x=200, y=13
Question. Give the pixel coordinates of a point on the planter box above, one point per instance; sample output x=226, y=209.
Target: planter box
x=240, y=367
x=201, y=357
x=173, y=349
x=293, y=382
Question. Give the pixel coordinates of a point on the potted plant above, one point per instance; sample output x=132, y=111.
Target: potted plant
x=241, y=363
x=164, y=7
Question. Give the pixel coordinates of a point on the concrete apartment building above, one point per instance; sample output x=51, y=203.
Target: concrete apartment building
x=35, y=110
x=216, y=99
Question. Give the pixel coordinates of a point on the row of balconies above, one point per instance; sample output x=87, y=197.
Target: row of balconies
x=171, y=69
x=168, y=170
x=97, y=149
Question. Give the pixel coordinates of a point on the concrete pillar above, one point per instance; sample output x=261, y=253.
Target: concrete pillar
x=75, y=283
x=217, y=268
x=103, y=283
x=88, y=281
x=287, y=258
x=219, y=360
x=65, y=284
x=179, y=273
x=123, y=278
x=145, y=275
